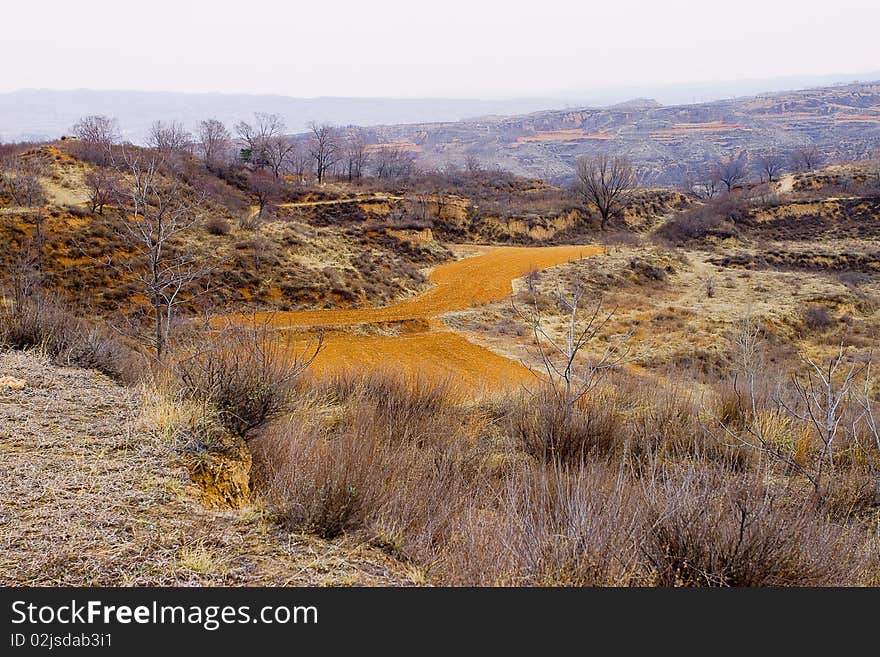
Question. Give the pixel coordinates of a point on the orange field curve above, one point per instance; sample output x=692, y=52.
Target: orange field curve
x=434, y=351
x=458, y=285
x=442, y=356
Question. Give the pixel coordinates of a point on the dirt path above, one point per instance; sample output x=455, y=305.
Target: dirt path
x=431, y=348
x=339, y=201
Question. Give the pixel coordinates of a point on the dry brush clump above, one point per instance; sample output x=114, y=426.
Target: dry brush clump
x=344, y=463
x=246, y=375
x=547, y=428
x=706, y=528
x=717, y=218
x=463, y=494
x=39, y=323
x=549, y=525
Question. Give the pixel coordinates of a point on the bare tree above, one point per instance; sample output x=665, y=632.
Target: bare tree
x=356, y=155
x=771, y=165
x=279, y=153
x=805, y=158
x=472, y=164
x=170, y=139
x=266, y=189
x=441, y=199
x=215, y=142
x=702, y=187
x=732, y=171
x=103, y=185
x=393, y=161
x=158, y=210
x=264, y=143
x=97, y=135
x=324, y=148
x=605, y=183
x=301, y=160
x=568, y=372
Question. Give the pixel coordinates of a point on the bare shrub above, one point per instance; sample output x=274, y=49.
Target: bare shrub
x=715, y=218
x=23, y=188
x=37, y=323
x=665, y=426
x=817, y=318
x=248, y=375
x=356, y=475
x=707, y=530
x=709, y=286
x=406, y=409
x=217, y=225
x=391, y=162
x=551, y=526
x=543, y=426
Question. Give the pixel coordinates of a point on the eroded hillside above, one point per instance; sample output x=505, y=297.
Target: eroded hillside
x=843, y=121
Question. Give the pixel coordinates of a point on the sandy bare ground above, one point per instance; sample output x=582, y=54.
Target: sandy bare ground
x=424, y=345
x=85, y=499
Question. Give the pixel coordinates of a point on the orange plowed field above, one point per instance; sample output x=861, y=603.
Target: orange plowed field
x=433, y=351
x=437, y=355
x=457, y=286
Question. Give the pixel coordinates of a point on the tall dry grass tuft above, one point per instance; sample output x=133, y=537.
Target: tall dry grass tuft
x=544, y=426
x=173, y=418
x=403, y=407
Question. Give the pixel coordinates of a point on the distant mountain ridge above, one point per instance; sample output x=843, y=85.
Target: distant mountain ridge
x=46, y=114
x=39, y=114
x=665, y=141
x=519, y=135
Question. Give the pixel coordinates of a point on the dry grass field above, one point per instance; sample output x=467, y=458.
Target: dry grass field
x=90, y=498
x=418, y=447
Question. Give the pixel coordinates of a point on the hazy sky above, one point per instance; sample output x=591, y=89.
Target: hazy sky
x=452, y=48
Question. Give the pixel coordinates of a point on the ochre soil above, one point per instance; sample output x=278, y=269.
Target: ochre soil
x=457, y=286
x=354, y=342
